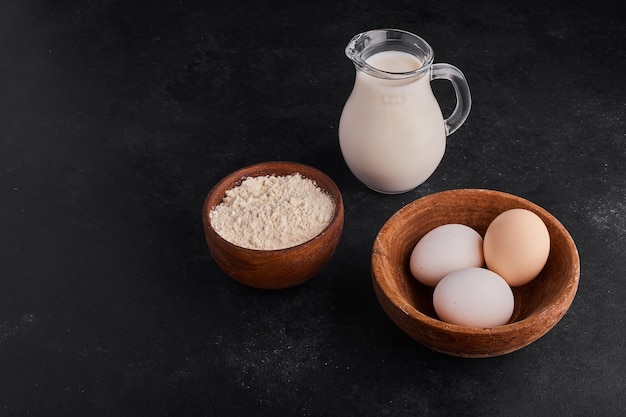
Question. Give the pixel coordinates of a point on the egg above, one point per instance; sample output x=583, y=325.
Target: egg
x=474, y=297
x=516, y=246
x=445, y=249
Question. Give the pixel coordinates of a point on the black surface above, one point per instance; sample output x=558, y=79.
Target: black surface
x=116, y=119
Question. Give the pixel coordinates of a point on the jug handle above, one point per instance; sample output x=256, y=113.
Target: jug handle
x=461, y=89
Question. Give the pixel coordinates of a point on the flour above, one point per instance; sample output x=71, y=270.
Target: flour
x=272, y=212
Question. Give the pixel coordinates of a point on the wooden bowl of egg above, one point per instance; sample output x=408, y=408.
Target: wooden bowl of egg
x=273, y=225
x=474, y=273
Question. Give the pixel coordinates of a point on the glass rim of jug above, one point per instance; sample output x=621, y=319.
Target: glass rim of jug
x=368, y=43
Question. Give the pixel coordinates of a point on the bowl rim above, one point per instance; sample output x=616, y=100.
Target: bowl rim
x=238, y=175
x=543, y=315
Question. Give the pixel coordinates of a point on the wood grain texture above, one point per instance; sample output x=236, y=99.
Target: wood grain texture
x=274, y=269
x=539, y=305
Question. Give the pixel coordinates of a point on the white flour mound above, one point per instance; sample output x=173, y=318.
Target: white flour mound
x=272, y=212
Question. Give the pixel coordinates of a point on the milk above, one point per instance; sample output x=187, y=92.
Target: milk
x=392, y=132
x=394, y=61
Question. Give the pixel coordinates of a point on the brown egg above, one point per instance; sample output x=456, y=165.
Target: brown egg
x=516, y=246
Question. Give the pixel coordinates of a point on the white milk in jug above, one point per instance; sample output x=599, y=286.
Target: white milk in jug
x=392, y=133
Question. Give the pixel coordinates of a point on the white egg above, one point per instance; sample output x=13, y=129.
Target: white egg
x=445, y=249
x=475, y=297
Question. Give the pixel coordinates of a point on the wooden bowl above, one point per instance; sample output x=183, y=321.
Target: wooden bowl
x=539, y=305
x=281, y=268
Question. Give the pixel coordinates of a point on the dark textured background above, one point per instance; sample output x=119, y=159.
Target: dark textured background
x=116, y=119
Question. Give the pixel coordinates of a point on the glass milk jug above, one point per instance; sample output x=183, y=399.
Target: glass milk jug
x=392, y=132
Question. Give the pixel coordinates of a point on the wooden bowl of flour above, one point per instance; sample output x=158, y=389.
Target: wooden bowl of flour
x=273, y=268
